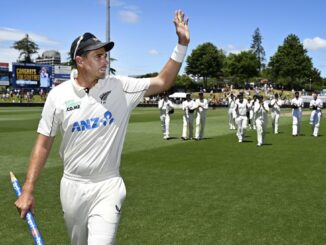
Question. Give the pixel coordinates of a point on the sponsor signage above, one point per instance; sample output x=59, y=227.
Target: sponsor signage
x=4, y=74
x=31, y=75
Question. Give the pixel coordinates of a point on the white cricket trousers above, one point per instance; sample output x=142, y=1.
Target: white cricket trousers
x=92, y=209
x=275, y=121
x=315, y=117
x=200, y=125
x=165, y=124
x=242, y=124
x=188, y=126
x=261, y=129
x=296, y=122
x=231, y=119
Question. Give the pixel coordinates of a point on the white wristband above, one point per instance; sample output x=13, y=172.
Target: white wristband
x=179, y=53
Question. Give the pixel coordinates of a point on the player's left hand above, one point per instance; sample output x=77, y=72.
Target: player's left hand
x=181, y=26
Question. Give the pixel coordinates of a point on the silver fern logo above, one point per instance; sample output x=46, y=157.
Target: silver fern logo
x=104, y=97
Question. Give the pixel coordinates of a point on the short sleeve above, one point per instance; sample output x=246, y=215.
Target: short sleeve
x=49, y=121
x=134, y=89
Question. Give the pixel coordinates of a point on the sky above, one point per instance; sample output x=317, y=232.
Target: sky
x=144, y=33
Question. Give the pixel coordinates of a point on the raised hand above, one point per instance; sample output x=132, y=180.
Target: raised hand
x=181, y=26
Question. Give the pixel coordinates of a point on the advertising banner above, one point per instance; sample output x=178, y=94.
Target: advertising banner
x=4, y=74
x=31, y=75
x=61, y=74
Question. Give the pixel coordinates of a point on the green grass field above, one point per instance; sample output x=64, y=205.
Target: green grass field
x=214, y=191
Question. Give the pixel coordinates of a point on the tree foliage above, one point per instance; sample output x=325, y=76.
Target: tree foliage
x=315, y=81
x=185, y=82
x=26, y=48
x=291, y=66
x=204, y=62
x=241, y=67
x=257, y=48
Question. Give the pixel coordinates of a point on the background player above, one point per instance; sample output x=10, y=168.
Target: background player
x=241, y=109
x=188, y=107
x=261, y=115
x=231, y=106
x=202, y=105
x=297, y=105
x=276, y=104
x=165, y=105
x=316, y=104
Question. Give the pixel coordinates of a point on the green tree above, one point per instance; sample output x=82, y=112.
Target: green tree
x=185, y=82
x=241, y=67
x=257, y=48
x=26, y=48
x=315, y=81
x=323, y=82
x=204, y=62
x=290, y=66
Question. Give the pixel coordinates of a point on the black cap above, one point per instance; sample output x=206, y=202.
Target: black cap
x=87, y=42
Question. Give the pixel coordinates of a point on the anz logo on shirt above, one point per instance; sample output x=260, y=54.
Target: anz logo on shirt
x=93, y=123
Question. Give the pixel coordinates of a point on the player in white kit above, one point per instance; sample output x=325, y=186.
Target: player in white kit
x=188, y=107
x=201, y=108
x=165, y=106
x=252, y=120
x=231, y=106
x=241, y=109
x=316, y=104
x=92, y=113
x=297, y=105
x=276, y=104
x=261, y=115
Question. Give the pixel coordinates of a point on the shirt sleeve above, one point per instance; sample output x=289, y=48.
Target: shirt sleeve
x=256, y=107
x=320, y=104
x=160, y=104
x=205, y=104
x=183, y=106
x=134, y=89
x=49, y=122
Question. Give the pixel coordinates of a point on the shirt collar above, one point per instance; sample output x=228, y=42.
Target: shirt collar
x=81, y=90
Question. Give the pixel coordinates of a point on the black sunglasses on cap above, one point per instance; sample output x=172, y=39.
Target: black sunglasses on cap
x=88, y=42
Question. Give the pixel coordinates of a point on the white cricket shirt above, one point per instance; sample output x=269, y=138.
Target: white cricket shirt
x=165, y=106
x=276, y=108
x=242, y=107
x=298, y=102
x=188, y=105
x=202, y=105
x=318, y=103
x=260, y=112
x=93, y=125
